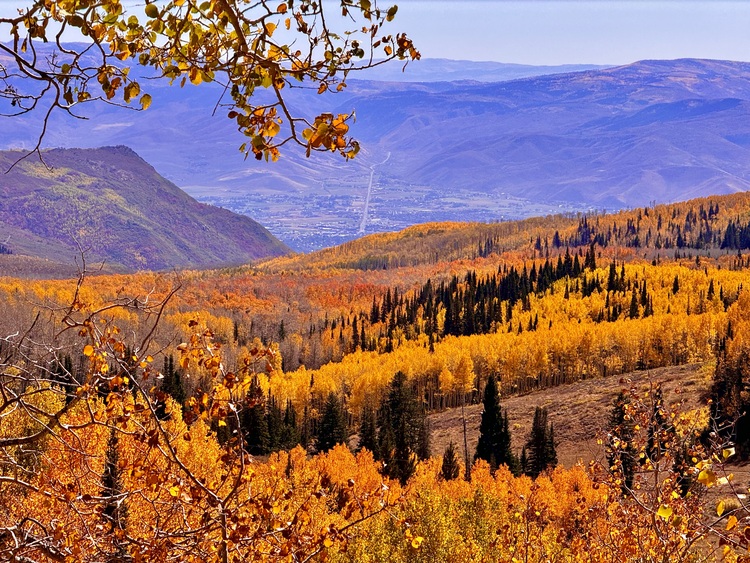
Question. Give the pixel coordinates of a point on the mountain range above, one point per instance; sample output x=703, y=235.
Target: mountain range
x=113, y=206
x=464, y=150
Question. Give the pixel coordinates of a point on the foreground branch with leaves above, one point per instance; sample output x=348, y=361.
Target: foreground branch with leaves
x=248, y=48
x=92, y=469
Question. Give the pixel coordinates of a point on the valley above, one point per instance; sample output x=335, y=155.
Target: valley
x=489, y=150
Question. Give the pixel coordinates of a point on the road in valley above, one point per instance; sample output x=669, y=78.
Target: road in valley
x=369, y=193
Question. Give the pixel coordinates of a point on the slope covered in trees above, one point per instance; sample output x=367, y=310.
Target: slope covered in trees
x=199, y=370
x=115, y=206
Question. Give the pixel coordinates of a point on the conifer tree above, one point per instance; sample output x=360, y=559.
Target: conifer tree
x=171, y=385
x=275, y=425
x=730, y=405
x=494, y=435
x=450, y=468
x=253, y=422
x=115, y=509
x=551, y=448
x=633, y=312
x=423, y=443
x=290, y=436
x=402, y=436
x=333, y=429
x=540, y=447
x=524, y=461
x=368, y=433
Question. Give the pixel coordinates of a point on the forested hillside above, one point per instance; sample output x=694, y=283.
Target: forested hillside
x=116, y=207
x=405, y=356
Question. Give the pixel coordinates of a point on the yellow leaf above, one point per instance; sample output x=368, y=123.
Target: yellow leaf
x=270, y=28
x=328, y=542
x=727, y=452
x=707, y=477
x=720, y=508
x=88, y=350
x=195, y=76
x=664, y=511
x=417, y=542
x=222, y=423
x=724, y=480
x=145, y=101
x=152, y=11
x=175, y=491
x=272, y=129
x=731, y=522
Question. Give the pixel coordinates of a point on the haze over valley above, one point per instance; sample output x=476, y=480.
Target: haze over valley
x=489, y=150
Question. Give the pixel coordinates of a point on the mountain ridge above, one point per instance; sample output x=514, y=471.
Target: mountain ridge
x=607, y=138
x=115, y=206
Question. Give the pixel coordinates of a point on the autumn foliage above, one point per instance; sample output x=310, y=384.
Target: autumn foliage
x=107, y=455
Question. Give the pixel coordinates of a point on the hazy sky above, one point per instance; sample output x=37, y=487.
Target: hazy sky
x=562, y=31
x=594, y=31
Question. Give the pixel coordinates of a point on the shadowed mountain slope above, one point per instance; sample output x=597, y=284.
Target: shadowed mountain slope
x=114, y=205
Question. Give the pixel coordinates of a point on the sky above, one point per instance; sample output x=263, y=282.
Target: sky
x=547, y=32
x=593, y=31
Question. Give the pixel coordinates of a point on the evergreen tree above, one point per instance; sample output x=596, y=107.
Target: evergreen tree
x=253, y=423
x=494, y=435
x=304, y=433
x=333, y=428
x=290, y=436
x=684, y=470
x=633, y=312
x=171, y=385
x=62, y=372
x=402, y=436
x=115, y=510
x=540, y=447
x=423, y=443
x=730, y=404
x=355, y=335
x=622, y=455
x=368, y=432
x=551, y=449
x=450, y=469
x=524, y=461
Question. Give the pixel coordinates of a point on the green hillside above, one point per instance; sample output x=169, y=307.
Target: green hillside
x=112, y=204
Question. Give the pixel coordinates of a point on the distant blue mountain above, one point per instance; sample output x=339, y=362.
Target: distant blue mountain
x=603, y=138
x=448, y=70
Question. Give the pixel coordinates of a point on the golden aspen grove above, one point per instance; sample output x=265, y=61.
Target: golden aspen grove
x=127, y=422
x=284, y=411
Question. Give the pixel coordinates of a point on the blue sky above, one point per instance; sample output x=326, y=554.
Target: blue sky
x=593, y=31
x=563, y=31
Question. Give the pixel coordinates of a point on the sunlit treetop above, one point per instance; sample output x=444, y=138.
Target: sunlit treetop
x=243, y=45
